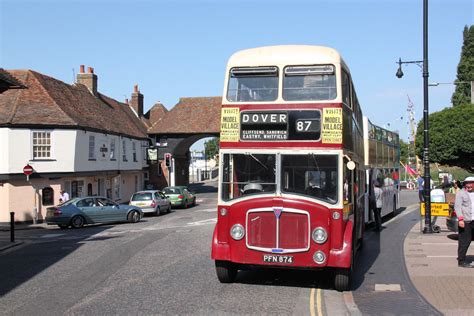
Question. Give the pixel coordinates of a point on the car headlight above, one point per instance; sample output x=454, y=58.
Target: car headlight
x=319, y=235
x=237, y=232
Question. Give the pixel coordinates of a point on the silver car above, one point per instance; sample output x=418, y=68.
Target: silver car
x=151, y=201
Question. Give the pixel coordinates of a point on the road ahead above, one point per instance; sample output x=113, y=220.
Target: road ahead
x=162, y=265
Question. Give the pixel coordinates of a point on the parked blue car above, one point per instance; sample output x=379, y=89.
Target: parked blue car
x=91, y=210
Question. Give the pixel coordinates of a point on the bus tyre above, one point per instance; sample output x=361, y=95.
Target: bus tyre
x=342, y=279
x=226, y=271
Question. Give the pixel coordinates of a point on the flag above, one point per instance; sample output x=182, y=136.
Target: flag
x=410, y=170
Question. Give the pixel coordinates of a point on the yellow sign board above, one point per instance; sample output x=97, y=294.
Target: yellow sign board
x=230, y=121
x=331, y=126
x=437, y=209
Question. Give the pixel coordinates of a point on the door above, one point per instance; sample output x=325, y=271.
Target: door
x=89, y=210
x=109, y=211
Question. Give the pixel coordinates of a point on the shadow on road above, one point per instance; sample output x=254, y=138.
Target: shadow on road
x=40, y=252
x=203, y=187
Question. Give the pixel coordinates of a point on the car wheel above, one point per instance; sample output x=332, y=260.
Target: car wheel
x=194, y=201
x=63, y=226
x=133, y=217
x=157, y=211
x=185, y=204
x=226, y=271
x=169, y=209
x=77, y=221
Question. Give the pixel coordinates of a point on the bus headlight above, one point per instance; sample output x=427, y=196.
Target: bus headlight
x=319, y=235
x=319, y=257
x=237, y=232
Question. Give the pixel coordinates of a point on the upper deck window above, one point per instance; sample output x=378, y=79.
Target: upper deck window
x=309, y=83
x=253, y=84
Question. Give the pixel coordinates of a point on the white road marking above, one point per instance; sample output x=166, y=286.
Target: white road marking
x=388, y=288
x=208, y=210
x=203, y=222
x=52, y=235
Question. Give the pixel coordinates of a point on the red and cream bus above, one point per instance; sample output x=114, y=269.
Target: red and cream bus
x=292, y=177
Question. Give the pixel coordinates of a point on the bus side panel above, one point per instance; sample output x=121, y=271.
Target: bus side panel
x=220, y=251
x=342, y=258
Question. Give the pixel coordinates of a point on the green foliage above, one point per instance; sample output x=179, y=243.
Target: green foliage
x=462, y=93
x=211, y=148
x=403, y=152
x=451, y=133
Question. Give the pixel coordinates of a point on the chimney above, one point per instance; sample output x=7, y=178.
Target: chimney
x=88, y=79
x=137, y=101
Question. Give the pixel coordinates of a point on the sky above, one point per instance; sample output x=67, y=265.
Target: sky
x=180, y=48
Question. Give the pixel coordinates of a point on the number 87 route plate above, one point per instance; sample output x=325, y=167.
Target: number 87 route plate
x=278, y=259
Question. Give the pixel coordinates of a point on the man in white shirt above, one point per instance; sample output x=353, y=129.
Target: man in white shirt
x=64, y=196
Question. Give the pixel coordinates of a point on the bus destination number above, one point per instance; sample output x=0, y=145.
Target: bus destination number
x=307, y=126
x=277, y=259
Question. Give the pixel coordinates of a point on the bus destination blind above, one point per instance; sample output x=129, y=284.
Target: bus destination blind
x=280, y=125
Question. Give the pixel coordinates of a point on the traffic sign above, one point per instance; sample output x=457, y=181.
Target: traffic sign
x=27, y=170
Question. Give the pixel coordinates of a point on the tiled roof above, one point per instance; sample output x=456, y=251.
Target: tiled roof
x=7, y=81
x=156, y=114
x=51, y=102
x=190, y=116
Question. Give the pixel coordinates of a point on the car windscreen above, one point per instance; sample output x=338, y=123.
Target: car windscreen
x=142, y=196
x=309, y=83
x=172, y=191
x=246, y=174
x=253, y=84
x=311, y=175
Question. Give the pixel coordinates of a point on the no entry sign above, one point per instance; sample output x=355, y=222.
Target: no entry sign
x=28, y=170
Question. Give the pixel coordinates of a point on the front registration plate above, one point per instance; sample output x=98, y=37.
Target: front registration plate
x=277, y=259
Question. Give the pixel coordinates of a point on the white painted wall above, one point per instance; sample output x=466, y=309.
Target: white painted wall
x=69, y=152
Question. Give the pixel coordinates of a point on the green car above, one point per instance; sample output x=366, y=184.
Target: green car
x=180, y=196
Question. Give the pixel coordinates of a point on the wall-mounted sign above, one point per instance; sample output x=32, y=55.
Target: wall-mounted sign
x=152, y=154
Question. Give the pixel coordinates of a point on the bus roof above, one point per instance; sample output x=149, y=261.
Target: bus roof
x=285, y=55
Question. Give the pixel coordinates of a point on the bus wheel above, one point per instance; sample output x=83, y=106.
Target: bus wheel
x=226, y=271
x=342, y=279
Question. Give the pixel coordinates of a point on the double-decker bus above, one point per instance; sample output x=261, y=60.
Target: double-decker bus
x=382, y=158
x=292, y=175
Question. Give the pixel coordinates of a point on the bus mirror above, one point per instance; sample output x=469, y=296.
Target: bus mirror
x=351, y=165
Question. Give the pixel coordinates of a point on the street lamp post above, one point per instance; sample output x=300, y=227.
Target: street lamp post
x=428, y=229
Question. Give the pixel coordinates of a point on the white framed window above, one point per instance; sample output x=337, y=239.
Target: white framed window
x=124, y=150
x=91, y=147
x=112, y=149
x=41, y=145
x=134, y=151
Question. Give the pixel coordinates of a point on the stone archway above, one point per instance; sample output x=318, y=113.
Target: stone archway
x=189, y=121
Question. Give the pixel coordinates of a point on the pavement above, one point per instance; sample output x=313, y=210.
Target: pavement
x=430, y=260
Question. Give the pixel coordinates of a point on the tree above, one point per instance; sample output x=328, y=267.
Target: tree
x=451, y=137
x=403, y=152
x=211, y=148
x=462, y=93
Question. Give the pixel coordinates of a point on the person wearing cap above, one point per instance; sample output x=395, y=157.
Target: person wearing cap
x=464, y=207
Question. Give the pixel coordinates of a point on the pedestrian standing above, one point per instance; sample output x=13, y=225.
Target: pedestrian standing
x=455, y=188
x=420, y=182
x=378, y=207
x=464, y=207
x=64, y=196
